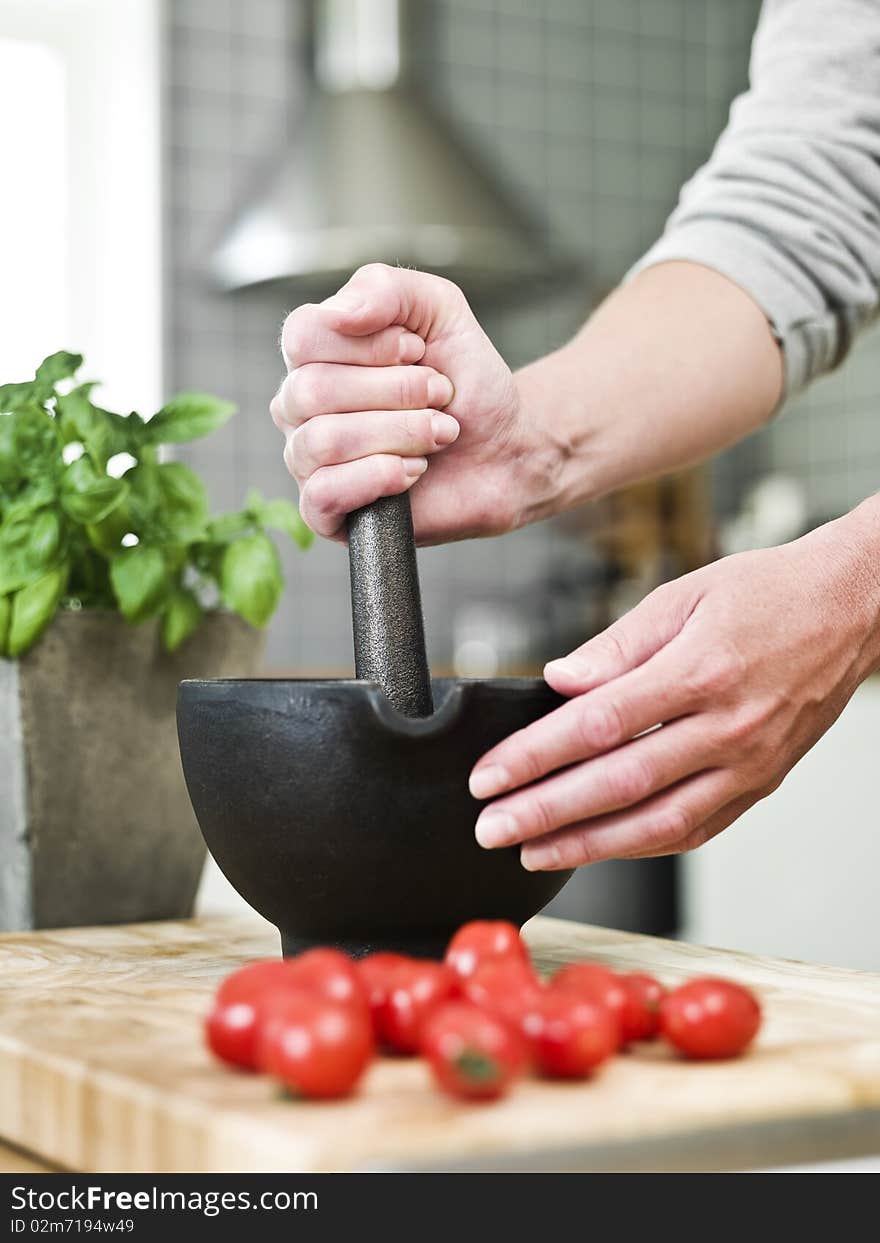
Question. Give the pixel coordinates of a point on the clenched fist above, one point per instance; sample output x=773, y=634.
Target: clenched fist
x=393, y=383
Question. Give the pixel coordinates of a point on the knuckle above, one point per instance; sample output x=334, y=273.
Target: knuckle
x=374, y=272
x=307, y=391
x=449, y=289
x=629, y=781
x=297, y=333
x=611, y=648
x=582, y=846
x=769, y=786
x=540, y=813
x=318, y=496
x=697, y=838
x=673, y=824
x=314, y=445
x=412, y=388
x=602, y=726
x=376, y=280
x=276, y=410
x=415, y=429
x=528, y=762
x=741, y=730
x=717, y=672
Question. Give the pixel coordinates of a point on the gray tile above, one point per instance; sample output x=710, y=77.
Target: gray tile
x=666, y=18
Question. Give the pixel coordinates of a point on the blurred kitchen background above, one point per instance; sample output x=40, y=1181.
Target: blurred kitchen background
x=142, y=143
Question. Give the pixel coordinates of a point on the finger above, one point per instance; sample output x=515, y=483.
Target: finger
x=308, y=336
x=710, y=828
x=333, y=388
x=628, y=642
x=655, y=825
x=331, y=493
x=651, y=694
x=378, y=295
x=333, y=438
x=620, y=779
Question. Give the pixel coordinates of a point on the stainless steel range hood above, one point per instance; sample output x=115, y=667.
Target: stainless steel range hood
x=372, y=175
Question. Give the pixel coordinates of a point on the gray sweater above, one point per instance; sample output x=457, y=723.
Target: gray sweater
x=788, y=205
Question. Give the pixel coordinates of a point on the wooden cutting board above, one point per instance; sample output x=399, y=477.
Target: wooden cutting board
x=102, y=1069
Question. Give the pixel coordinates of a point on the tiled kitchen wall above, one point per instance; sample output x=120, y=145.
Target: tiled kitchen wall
x=594, y=111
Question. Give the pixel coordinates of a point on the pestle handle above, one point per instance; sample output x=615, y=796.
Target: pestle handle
x=386, y=605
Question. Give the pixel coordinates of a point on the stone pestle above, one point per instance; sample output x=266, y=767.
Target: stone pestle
x=386, y=605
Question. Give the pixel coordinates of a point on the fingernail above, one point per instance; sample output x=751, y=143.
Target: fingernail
x=412, y=347
x=495, y=828
x=444, y=429
x=492, y=779
x=566, y=667
x=538, y=858
x=440, y=391
x=415, y=467
x=344, y=301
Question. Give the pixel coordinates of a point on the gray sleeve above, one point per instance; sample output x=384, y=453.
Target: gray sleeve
x=788, y=205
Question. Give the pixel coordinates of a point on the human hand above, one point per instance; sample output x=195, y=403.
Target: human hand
x=390, y=372
x=743, y=665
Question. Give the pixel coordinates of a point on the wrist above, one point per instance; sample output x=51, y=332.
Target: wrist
x=558, y=437
x=853, y=543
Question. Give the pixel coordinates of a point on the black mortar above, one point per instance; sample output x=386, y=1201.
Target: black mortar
x=340, y=809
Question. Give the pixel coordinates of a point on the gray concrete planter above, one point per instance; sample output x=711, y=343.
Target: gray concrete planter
x=95, y=823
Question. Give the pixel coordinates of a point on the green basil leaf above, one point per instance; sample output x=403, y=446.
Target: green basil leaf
x=88, y=496
x=29, y=499
x=14, y=396
x=140, y=581
x=228, y=527
x=28, y=545
x=5, y=615
x=183, y=504
x=168, y=502
x=10, y=468
x=281, y=516
x=250, y=578
x=55, y=368
x=181, y=617
x=144, y=495
x=187, y=417
x=35, y=442
x=106, y=536
x=101, y=432
x=33, y=608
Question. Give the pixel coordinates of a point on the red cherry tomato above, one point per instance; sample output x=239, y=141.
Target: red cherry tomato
x=327, y=973
x=484, y=941
x=231, y=1033
x=597, y=983
x=416, y=988
x=642, y=1013
x=710, y=1018
x=232, y=1026
x=472, y=1054
x=250, y=981
x=375, y=972
x=576, y=1035
x=317, y=1048
x=511, y=991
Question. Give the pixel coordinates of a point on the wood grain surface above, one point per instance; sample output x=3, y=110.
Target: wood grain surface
x=102, y=1069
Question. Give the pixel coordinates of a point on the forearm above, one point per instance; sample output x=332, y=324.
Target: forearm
x=674, y=366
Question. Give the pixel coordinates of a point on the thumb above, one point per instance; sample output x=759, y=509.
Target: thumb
x=627, y=643
x=377, y=296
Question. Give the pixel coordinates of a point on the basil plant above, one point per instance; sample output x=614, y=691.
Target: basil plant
x=137, y=537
